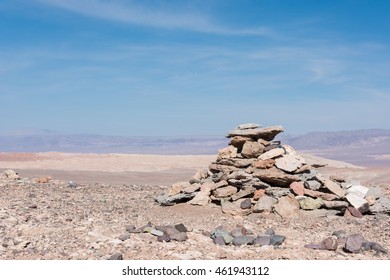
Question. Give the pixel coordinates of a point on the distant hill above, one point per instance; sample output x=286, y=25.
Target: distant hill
x=352, y=138
x=87, y=143
x=366, y=147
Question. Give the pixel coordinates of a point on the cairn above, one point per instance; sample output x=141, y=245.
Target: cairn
x=256, y=174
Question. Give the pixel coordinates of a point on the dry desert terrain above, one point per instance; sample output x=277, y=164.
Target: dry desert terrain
x=51, y=220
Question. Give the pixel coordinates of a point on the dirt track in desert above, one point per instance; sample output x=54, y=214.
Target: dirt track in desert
x=53, y=221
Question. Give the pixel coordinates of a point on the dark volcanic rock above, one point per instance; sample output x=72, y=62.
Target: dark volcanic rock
x=243, y=240
x=263, y=240
x=116, y=256
x=164, y=238
x=277, y=239
x=182, y=228
x=354, y=212
x=367, y=245
x=354, y=243
x=246, y=204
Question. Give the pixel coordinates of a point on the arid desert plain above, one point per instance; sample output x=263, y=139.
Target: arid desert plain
x=89, y=206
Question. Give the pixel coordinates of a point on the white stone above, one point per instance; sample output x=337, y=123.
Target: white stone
x=203, y=197
x=358, y=190
x=289, y=163
x=357, y=201
x=272, y=153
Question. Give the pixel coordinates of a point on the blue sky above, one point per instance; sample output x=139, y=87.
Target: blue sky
x=170, y=68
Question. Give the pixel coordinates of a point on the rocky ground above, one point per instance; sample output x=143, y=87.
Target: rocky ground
x=52, y=219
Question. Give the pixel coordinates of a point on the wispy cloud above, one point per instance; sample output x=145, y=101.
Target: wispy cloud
x=141, y=14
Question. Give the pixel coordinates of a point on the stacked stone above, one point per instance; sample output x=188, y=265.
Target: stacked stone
x=254, y=173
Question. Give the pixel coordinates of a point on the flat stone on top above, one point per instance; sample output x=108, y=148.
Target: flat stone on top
x=267, y=133
x=248, y=126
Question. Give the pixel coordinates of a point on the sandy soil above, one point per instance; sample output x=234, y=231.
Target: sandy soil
x=53, y=221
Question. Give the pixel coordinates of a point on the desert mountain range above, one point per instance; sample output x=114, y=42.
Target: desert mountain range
x=368, y=147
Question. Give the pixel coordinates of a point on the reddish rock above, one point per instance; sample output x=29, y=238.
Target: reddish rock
x=258, y=194
x=317, y=194
x=297, y=188
x=332, y=186
x=354, y=212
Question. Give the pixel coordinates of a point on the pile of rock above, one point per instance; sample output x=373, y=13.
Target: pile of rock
x=242, y=236
x=354, y=243
x=163, y=233
x=254, y=173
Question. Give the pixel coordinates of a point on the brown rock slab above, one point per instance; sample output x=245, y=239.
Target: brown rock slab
x=335, y=204
x=275, y=176
x=252, y=149
x=332, y=186
x=263, y=164
x=287, y=207
x=225, y=191
x=243, y=193
x=317, y=194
